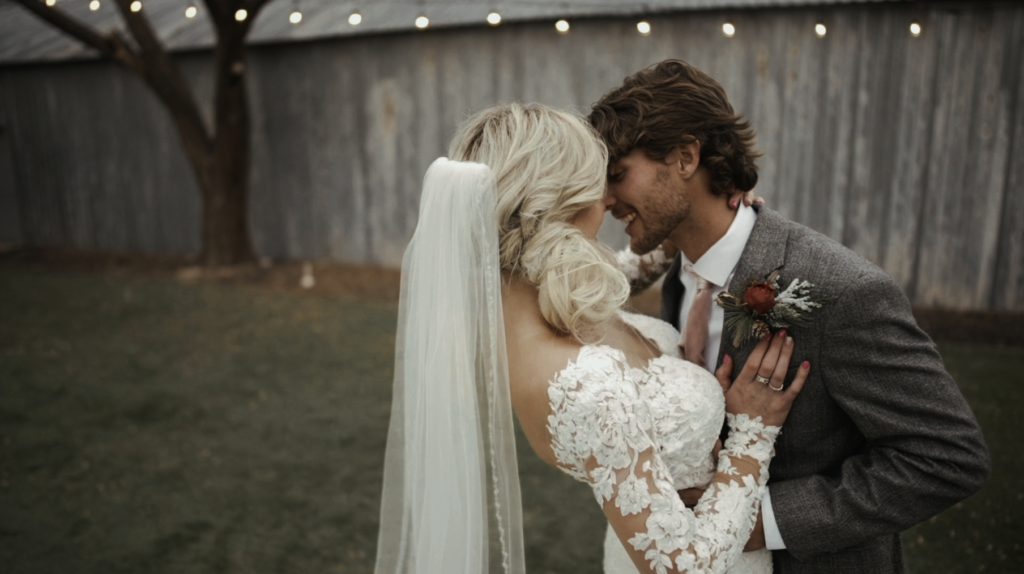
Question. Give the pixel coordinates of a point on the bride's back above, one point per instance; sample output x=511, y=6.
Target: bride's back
x=560, y=286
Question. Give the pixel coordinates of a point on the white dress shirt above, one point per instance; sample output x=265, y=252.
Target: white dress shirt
x=717, y=267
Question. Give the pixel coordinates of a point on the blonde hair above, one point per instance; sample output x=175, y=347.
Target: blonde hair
x=549, y=165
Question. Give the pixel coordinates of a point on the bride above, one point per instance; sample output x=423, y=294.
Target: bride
x=508, y=302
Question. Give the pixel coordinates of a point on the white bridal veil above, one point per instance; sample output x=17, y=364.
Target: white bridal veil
x=451, y=500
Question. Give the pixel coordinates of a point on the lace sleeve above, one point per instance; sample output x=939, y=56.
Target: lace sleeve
x=642, y=271
x=600, y=435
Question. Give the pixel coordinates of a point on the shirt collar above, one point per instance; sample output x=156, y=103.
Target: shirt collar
x=721, y=259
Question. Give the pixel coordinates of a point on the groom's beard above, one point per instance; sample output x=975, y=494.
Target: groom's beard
x=664, y=208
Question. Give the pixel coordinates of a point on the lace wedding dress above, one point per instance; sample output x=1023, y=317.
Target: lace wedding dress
x=639, y=435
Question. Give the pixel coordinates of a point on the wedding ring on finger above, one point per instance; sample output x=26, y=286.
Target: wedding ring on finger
x=776, y=389
x=762, y=380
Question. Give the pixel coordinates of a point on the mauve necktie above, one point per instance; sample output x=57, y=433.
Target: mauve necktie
x=694, y=337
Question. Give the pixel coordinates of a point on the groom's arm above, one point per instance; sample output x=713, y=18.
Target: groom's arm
x=924, y=450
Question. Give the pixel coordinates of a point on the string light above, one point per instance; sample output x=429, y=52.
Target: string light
x=51, y=2
x=241, y=15
x=136, y=6
x=191, y=12
x=94, y=5
x=355, y=19
x=296, y=16
x=915, y=29
x=562, y=26
x=494, y=18
x=644, y=27
x=422, y=22
x=729, y=30
x=820, y=30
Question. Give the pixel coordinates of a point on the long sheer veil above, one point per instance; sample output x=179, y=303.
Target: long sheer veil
x=451, y=502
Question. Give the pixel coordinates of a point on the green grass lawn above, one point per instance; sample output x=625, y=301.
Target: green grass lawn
x=150, y=427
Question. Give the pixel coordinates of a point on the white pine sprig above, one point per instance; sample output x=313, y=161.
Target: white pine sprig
x=798, y=294
x=793, y=305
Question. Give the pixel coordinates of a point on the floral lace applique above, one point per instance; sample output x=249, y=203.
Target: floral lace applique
x=661, y=333
x=642, y=270
x=603, y=433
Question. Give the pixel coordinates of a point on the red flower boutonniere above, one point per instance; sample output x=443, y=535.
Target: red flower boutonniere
x=763, y=309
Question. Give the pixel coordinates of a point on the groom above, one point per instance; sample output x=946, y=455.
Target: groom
x=880, y=438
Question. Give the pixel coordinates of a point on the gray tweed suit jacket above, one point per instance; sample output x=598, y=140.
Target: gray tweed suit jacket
x=880, y=438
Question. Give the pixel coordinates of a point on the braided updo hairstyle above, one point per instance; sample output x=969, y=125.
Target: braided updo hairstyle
x=549, y=165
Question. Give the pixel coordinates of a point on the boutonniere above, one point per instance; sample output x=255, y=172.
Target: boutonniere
x=761, y=308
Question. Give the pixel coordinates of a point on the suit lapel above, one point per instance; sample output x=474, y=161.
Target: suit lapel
x=765, y=251
x=672, y=294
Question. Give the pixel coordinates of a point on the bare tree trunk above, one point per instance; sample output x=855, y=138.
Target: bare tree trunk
x=219, y=161
x=225, y=211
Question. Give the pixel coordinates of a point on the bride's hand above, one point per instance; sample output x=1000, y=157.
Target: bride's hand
x=747, y=197
x=748, y=395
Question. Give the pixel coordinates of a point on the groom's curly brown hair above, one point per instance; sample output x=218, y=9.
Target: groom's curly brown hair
x=673, y=103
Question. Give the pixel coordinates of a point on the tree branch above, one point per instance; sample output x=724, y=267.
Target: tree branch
x=111, y=46
x=139, y=26
x=258, y=5
x=220, y=12
x=160, y=71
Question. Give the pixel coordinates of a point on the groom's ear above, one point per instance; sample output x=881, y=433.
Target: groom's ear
x=686, y=158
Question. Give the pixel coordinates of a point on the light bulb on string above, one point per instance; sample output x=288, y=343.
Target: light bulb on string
x=191, y=11
x=355, y=19
x=136, y=6
x=820, y=30
x=729, y=30
x=915, y=29
x=644, y=27
x=296, y=16
x=562, y=26
x=241, y=15
x=494, y=18
x=422, y=22
x=51, y=2
x=94, y=5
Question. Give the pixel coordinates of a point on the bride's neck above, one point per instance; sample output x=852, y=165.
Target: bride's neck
x=520, y=294
x=520, y=302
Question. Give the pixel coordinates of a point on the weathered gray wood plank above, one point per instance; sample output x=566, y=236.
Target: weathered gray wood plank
x=907, y=194
x=906, y=149
x=1008, y=285
x=10, y=214
x=967, y=165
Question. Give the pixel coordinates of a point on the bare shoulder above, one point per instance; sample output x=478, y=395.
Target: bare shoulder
x=535, y=358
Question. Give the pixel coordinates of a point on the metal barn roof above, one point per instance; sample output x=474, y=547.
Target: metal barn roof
x=25, y=38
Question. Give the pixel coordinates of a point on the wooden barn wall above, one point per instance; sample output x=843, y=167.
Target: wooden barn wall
x=908, y=150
